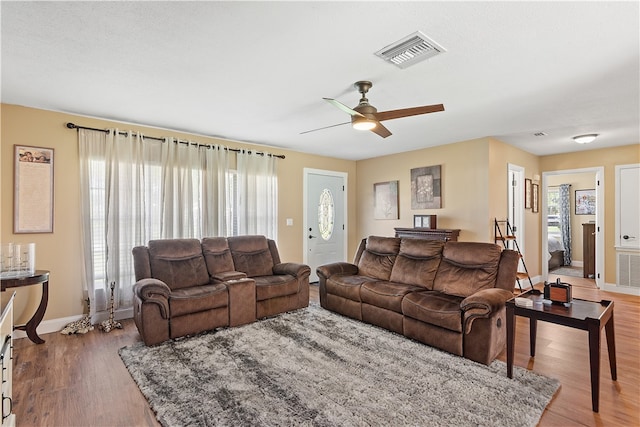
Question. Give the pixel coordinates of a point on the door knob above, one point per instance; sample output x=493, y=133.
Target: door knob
x=312, y=237
x=626, y=237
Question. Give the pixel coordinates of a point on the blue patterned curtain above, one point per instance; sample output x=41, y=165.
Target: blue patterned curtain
x=565, y=220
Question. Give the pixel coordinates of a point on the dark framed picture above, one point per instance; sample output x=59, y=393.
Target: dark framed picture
x=426, y=187
x=424, y=221
x=586, y=202
x=534, y=197
x=527, y=193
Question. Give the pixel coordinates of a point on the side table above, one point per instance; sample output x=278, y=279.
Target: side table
x=40, y=276
x=580, y=314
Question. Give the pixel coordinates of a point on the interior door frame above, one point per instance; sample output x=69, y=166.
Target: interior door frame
x=305, y=201
x=515, y=203
x=599, y=180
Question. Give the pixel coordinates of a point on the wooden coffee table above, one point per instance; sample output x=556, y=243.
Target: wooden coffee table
x=580, y=314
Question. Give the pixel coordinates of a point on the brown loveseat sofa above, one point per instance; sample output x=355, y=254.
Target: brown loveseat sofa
x=184, y=286
x=447, y=295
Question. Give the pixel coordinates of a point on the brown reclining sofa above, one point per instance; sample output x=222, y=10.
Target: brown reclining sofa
x=448, y=295
x=185, y=286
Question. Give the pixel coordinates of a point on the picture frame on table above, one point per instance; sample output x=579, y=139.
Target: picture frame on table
x=424, y=221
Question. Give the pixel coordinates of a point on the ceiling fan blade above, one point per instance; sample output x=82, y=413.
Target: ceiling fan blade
x=343, y=107
x=381, y=130
x=406, y=112
x=326, y=127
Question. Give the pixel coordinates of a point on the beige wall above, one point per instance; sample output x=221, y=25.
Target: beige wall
x=463, y=189
x=608, y=159
x=578, y=181
x=501, y=155
x=59, y=251
x=474, y=190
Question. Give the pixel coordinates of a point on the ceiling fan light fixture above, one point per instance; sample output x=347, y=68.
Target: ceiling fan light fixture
x=585, y=139
x=363, y=123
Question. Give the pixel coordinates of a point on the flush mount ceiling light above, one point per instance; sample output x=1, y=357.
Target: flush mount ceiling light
x=585, y=139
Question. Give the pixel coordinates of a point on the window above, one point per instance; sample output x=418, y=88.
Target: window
x=326, y=214
x=553, y=211
x=134, y=190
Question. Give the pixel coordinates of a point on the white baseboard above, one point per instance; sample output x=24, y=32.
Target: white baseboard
x=612, y=287
x=56, y=325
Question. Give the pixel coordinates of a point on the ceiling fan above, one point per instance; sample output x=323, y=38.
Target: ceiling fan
x=366, y=117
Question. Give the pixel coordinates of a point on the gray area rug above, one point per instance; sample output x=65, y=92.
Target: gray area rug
x=568, y=271
x=316, y=368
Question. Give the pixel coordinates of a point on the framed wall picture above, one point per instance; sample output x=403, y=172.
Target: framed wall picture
x=586, y=202
x=534, y=197
x=33, y=190
x=527, y=193
x=424, y=221
x=426, y=187
x=385, y=200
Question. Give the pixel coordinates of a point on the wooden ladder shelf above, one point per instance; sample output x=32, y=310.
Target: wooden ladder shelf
x=505, y=234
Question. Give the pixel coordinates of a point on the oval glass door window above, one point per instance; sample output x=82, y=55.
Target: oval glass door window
x=326, y=214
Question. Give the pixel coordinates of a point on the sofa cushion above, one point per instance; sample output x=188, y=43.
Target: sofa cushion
x=434, y=308
x=417, y=262
x=200, y=298
x=251, y=255
x=178, y=262
x=346, y=285
x=217, y=255
x=467, y=267
x=386, y=295
x=378, y=257
x=268, y=287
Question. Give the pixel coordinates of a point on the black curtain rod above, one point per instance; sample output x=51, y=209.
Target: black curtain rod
x=237, y=150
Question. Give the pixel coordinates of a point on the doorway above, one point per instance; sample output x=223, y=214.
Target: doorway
x=587, y=226
x=325, y=227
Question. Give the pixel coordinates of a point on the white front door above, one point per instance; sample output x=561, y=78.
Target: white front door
x=325, y=225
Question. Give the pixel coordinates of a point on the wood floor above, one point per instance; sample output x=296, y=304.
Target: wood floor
x=81, y=381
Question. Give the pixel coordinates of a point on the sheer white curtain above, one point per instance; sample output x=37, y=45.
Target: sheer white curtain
x=257, y=194
x=134, y=190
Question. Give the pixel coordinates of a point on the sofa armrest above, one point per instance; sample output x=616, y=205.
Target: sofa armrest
x=154, y=291
x=292, y=268
x=483, y=304
x=329, y=270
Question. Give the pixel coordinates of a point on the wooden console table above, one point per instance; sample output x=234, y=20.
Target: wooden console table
x=40, y=276
x=428, y=233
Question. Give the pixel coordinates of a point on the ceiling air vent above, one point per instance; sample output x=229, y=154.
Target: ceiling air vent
x=414, y=48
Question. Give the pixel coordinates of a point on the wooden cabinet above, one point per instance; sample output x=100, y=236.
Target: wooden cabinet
x=428, y=233
x=589, y=250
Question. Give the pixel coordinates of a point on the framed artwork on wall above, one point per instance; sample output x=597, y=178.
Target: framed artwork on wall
x=33, y=190
x=426, y=188
x=586, y=202
x=527, y=193
x=534, y=197
x=385, y=200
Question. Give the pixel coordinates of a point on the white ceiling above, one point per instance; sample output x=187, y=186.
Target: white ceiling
x=257, y=71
